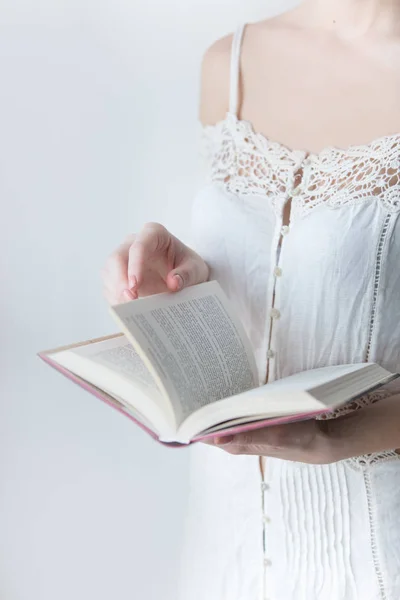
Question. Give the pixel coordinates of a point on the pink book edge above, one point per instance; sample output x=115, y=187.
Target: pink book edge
x=260, y=424
x=110, y=401
x=103, y=396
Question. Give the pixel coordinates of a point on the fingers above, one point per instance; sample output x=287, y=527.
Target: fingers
x=152, y=239
x=117, y=294
x=115, y=275
x=271, y=436
x=271, y=441
x=129, y=295
x=175, y=281
x=245, y=443
x=190, y=271
x=151, y=262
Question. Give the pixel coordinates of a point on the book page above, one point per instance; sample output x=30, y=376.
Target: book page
x=306, y=380
x=299, y=393
x=118, y=355
x=194, y=343
x=115, y=367
x=122, y=358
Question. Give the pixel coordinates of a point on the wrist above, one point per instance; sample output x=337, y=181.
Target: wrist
x=365, y=431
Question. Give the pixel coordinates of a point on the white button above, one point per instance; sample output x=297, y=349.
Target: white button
x=296, y=191
x=266, y=519
x=285, y=230
x=264, y=486
x=267, y=562
x=275, y=314
x=270, y=354
x=277, y=271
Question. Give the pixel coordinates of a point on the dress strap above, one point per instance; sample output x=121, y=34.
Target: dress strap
x=235, y=69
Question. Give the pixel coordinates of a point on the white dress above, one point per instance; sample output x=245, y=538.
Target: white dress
x=321, y=290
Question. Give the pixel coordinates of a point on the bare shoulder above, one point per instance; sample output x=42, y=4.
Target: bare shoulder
x=215, y=75
x=215, y=67
x=276, y=31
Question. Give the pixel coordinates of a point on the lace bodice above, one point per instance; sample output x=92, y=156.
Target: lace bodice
x=246, y=162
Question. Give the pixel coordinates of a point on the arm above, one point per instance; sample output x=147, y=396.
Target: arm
x=214, y=86
x=154, y=260
x=370, y=430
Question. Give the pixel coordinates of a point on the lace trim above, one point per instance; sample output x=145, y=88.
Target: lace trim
x=378, y=266
x=361, y=402
x=366, y=460
x=246, y=162
x=372, y=533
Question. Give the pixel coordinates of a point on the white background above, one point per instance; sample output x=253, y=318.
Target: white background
x=98, y=111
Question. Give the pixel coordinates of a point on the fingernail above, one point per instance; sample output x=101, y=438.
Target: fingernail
x=179, y=281
x=129, y=295
x=132, y=281
x=222, y=440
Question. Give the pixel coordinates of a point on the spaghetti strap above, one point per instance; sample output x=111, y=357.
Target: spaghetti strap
x=235, y=69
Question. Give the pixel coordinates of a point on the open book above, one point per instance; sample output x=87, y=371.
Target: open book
x=184, y=370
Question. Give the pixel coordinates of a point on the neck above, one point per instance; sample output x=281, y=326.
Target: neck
x=355, y=17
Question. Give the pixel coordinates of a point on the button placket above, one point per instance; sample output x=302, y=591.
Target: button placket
x=296, y=191
x=285, y=230
x=274, y=313
x=266, y=521
x=267, y=562
x=302, y=175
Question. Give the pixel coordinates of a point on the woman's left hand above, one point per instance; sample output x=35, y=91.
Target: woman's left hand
x=365, y=431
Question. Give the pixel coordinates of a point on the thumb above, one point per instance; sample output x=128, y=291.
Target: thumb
x=188, y=273
x=222, y=440
x=175, y=281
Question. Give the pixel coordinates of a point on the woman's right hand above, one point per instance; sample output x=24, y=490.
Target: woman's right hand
x=151, y=262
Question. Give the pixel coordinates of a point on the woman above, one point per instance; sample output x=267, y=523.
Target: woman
x=299, y=222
